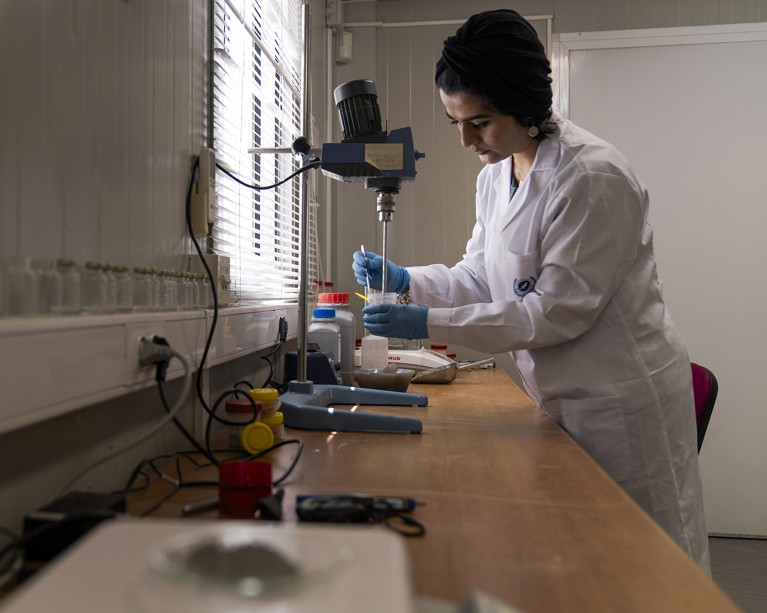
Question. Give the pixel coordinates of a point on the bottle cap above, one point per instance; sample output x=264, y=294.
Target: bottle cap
x=256, y=437
x=333, y=298
x=273, y=420
x=324, y=313
x=241, y=405
x=264, y=394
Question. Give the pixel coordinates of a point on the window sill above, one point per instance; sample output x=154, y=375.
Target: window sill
x=54, y=365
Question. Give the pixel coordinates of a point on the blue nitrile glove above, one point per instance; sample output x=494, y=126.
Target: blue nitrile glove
x=397, y=277
x=396, y=320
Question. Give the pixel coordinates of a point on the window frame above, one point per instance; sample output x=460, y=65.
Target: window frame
x=255, y=103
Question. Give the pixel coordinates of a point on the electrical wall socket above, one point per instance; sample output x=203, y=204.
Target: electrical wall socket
x=219, y=266
x=134, y=332
x=343, y=43
x=203, y=199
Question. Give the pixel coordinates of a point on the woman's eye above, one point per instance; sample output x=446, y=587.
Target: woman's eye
x=473, y=126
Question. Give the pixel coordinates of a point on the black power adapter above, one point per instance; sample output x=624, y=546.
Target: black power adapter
x=53, y=528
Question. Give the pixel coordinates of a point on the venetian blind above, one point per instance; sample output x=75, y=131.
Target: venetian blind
x=257, y=58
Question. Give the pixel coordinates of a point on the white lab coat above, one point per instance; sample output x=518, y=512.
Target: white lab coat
x=564, y=278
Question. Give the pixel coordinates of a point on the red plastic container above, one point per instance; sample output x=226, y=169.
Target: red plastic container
x=241, y=485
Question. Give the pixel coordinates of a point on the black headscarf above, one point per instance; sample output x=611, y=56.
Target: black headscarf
x=498, y=55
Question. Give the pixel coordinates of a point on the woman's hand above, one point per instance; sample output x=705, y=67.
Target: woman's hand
x=369, y=266
x=396, y=320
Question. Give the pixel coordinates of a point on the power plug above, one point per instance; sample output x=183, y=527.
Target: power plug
x=153, y=350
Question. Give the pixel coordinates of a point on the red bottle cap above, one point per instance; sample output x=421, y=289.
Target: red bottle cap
x=240, y=405
x=333, y=298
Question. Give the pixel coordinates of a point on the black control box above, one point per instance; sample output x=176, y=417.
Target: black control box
x=321, y=368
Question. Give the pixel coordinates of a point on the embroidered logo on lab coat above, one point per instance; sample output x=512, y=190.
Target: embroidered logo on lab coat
x=522, y=287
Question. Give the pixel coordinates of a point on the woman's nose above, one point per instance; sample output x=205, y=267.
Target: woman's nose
x=468, y=137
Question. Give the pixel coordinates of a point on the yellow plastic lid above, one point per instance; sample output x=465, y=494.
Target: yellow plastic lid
x=273, y=420
x=256, y=437
x=264, y=394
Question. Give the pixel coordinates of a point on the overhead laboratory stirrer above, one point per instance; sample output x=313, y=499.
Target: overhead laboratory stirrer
x=383, y=160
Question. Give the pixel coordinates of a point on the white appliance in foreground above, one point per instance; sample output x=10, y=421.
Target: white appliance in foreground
x=152, y=566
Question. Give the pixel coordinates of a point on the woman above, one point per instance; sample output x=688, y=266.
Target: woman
x=559, y=271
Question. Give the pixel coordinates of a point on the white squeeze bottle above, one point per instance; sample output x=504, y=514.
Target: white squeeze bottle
x=325, y=332
x=346, y=322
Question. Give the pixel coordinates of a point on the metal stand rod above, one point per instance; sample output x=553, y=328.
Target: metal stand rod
x=304, y=405
x=385, y=255
x=306, y=126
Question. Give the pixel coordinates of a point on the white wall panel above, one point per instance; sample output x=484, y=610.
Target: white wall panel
x=103, y=118
x=101, y=113
x=704, y=171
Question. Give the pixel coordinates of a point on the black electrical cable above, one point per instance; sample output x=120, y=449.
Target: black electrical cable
x=244, y=382
x=187, y=435
x=309, y=166
x=150, y=462
x=267, y=359
x=227, y=422
x=289, y=469
x=179, y=483
x=211, y=279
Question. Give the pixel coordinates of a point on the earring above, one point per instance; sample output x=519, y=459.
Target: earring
x=533, y=131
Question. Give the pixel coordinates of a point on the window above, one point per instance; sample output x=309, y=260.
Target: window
x=257, y=58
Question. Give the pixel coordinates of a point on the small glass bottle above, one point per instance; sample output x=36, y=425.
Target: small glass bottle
x=124, y=280
x=206, y=296
x=71, y=281
x=142, y=289
x=158, y=290
x=189, y=284
x=50, y=287
x=94, y=287
x=22, y=295
x=174, y=287
x=110, y=273
x=199, y=296
x=167, y=291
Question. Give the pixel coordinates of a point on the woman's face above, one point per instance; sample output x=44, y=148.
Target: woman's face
x=491, y=135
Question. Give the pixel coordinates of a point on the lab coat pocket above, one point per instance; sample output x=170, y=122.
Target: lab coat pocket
x=516, y=275
x=599, y=426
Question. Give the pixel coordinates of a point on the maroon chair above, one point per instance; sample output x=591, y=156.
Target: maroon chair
x=705, y=389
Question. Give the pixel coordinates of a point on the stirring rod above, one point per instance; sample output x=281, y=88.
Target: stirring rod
x=367, y=276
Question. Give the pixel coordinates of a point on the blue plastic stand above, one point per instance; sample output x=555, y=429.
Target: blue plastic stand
x=307, y=406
